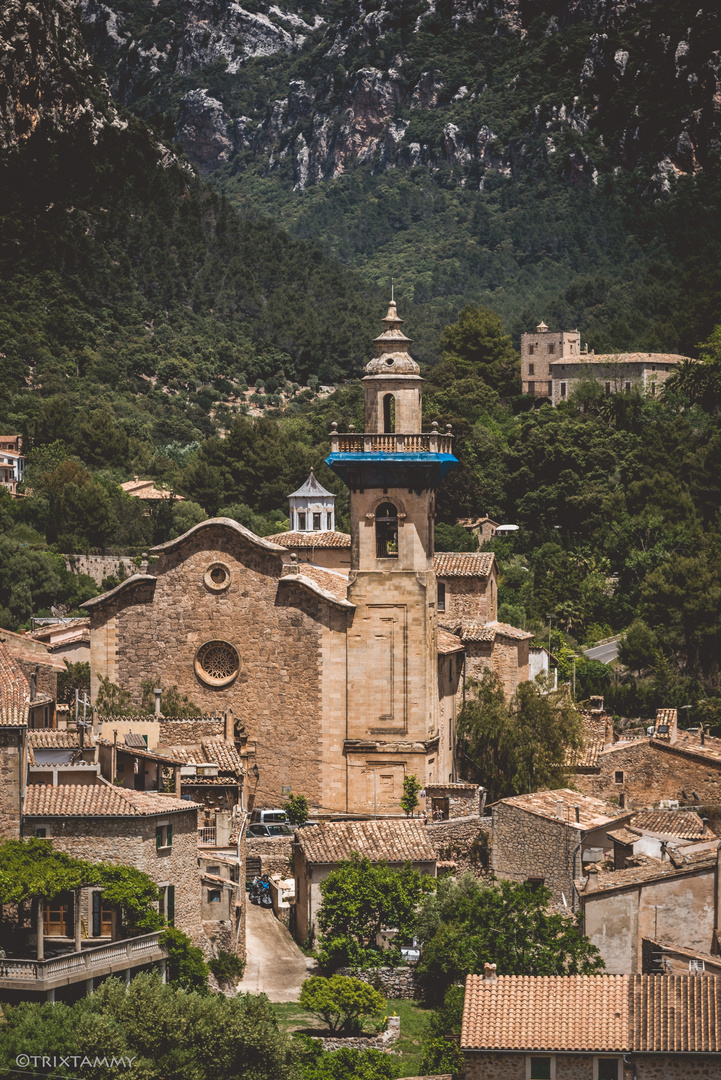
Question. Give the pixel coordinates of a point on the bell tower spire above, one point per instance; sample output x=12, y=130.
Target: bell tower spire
x=392, y=469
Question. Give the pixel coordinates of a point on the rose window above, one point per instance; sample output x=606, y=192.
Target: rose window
x=217, y=663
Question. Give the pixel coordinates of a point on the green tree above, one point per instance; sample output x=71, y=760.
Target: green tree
x=187, y=968
x=467, y=923
x=454, y=538
x=359, y=899
x=317, y=1064
x=75, y=677
x=296, y=809
x=638, y=647
x=342, y=1001
x=439, y=1054
x=477, y=344
x=112, y=700
x=520, y=746
x=409, y=798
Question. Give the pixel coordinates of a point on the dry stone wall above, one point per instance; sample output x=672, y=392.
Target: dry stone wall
x=275, y=853
x=98, y=567
x=398, y=983
x=464, y=841
x=526, y=845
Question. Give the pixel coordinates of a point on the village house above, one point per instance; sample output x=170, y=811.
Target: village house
x=546, y=838
x=662, y=958
x=66, y=639
x=591, y=1027
x=12, y=463
x=344, y=681
x=41, y=670
x=675, y=900
x=146, y=491
x=553, y=365
x=480, y=528
x=669, y=765
x=318, y=849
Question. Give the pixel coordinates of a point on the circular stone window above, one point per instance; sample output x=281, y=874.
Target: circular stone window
x=217, y=663
x=217, y=577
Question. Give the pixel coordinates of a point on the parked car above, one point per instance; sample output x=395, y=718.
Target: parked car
x=266, y=817
x=270, y=830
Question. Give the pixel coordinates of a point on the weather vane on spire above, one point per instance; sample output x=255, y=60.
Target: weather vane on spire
x=392, y=285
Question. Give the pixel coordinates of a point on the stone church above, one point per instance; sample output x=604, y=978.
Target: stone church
x=343, y=659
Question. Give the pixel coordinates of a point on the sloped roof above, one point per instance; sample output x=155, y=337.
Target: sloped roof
x=551, y=1012
x=14, y=691
x=312, y=487
x=468, y=630
x=586, y=757
x=146, y=490
x=29, y=651
x=613, y=1013
x=651, y=870
x=216, y=751
x=333, y=581
x=306, y=541
x=685, y=824
x=592, y=812
x=395, y=841
x=463, y=563
x=211, y=523
x=47, y=737
x=97, y=800
x=448, y=643
x=609, y=359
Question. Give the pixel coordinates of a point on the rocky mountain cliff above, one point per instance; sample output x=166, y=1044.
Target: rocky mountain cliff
x=458, y=86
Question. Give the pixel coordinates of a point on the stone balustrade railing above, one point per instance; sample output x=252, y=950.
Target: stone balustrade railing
x=120, y=953
x=431, y=442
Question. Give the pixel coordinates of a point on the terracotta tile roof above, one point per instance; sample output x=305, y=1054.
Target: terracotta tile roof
x=593, y=813
x=691, y=744
x=209, y=781
x=551, y=1012
x=395, y=841
x=49, y=738
x=680, y=1013
x=448, y=643
x=471, y=523
x=334, y=582
x=621, y=358
x=685, y=824
x=463, y=563
x=211, y=751
x=29, y=651
x=453, y=787
x=650, y=870
x=587, y=756
x=306, y=541
x=97, y=800
x=142, y=752
x=601, y=1013
x=146, y=490
x=14, y=691
x=468, y=630
x=623, y=836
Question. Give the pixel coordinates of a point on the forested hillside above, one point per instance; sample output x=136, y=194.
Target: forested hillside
x=140, y=299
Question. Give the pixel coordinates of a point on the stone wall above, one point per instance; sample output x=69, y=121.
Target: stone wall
x=154, y=631
x=184, y=732
x=486, y=1065
x=506, y=656
x=98, y=567
x=275, y=853
x=464, y=800
x=12, y=769
x=368, y=1042
x=469, y=598
x=653, y=771
x=398, y=983
x=131, y=841
x=464, y=841
x=529, y=846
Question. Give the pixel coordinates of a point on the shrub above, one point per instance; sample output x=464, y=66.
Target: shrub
x=342, y=1001
x=187, y=968
x=227, y=966
x=297, y=809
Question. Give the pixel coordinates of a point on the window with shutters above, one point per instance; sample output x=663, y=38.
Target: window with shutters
x=163, y=837
x=540, y=1068
x=301, y=521
x=170, y=904
x=563, y=389
x=316, y=523
x=531, y=369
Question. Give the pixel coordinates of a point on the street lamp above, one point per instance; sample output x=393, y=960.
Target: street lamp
x=255, y=771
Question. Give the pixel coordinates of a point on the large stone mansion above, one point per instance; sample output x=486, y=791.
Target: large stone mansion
x=343, y=659
x=553, y=365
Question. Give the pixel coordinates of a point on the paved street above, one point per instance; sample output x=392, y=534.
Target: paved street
x=276, y=966
x=605, y=653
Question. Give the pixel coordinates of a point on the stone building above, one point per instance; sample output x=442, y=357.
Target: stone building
x=157, y=834
x=12, y=462
x=41, y=670
x=547, y=837
x=676, y=901
x=342, y=678
x=480, y=528
x=667, y=766
x=591, y=1027
x=319, y=848
x=553, y=364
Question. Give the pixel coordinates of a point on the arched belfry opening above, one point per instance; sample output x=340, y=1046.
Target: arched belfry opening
x=389, y=414
x=387, y=531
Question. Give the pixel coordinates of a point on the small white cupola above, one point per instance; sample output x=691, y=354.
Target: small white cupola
x=541, y=328
x=312, y=508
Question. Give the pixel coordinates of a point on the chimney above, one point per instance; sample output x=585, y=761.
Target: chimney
x=578, y=813
x=229, y=726
x=559, y=809
x=703, y=736
x=33, y=685
x=489, y=973
x=157, y=691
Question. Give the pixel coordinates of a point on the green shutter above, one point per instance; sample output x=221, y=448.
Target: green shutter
x=169, y=841
x=171, y=904
x=96, y=915
x=158, y=837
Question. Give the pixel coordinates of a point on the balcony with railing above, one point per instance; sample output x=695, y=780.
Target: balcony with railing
x=430, y=442
x=114, y=957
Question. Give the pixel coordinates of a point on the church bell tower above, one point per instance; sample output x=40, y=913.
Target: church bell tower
x=392, y=470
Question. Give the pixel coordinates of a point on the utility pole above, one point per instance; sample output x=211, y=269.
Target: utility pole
x=550, y=624
x=574, y=678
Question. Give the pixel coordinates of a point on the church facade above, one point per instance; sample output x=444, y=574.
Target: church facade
x=341, y=680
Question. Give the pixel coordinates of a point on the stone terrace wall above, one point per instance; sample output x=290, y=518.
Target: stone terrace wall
x=274, y=852
x=462, y=841
x=651, y=772
x=396, y=983
x=377, y=1042
x=98, y=567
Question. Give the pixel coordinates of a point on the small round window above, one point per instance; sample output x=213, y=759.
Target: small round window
x=217, y=577
x=217, y=663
